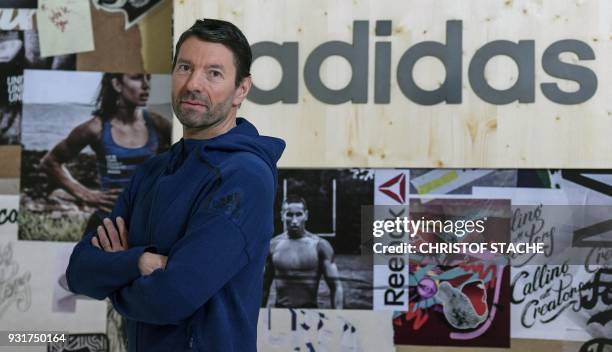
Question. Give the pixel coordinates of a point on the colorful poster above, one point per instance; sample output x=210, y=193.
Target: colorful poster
x=457, y=299
x=459, y=305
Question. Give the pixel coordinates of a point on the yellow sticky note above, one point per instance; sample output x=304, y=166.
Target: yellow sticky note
x=64, y=27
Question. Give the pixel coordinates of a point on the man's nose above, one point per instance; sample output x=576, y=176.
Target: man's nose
x=195, y=82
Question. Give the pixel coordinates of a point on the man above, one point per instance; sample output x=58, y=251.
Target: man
x=297, y=259
x=188, y=275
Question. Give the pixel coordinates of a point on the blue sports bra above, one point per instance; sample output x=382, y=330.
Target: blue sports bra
x=116, y=164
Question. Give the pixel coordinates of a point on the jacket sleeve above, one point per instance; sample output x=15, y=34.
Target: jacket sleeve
x=217, y=244
x=96, y=273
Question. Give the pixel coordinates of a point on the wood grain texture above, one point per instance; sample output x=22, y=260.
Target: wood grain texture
x=10, y=159
x=403, y=134
x=156, y=33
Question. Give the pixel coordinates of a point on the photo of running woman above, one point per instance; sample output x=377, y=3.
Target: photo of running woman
x=78, y=156
x=122, y=135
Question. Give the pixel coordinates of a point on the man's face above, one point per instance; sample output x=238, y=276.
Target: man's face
x=203, y=84
x=294, y=216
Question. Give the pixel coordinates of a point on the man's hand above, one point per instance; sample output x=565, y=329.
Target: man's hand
x=149, y=262
x=111, y=239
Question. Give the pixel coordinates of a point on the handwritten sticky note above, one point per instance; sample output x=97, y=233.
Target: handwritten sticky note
x=64, y=27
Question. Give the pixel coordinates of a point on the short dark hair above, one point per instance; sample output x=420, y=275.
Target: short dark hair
x=294, y=198
x=222, y=32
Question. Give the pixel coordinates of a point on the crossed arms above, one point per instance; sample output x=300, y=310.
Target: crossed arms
x=152, y=288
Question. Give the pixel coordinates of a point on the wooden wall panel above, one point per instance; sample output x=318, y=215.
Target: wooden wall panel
x=10, y=159
x=156, y=33
x=402, y=133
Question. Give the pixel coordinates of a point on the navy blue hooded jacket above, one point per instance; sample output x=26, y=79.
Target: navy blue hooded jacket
x=208, y=206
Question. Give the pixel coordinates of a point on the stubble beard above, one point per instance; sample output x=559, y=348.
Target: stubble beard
x=201, y=121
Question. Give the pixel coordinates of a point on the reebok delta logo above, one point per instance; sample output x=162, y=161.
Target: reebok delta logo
x=395, y=188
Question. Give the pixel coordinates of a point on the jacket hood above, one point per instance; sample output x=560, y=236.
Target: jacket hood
x=243, y=137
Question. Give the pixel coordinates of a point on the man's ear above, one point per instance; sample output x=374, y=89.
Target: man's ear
x=305, y=214
x=116, y=84
x=242, y=91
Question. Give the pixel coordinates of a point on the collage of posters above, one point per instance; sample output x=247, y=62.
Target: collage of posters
x=65, y=163
x=497, y=298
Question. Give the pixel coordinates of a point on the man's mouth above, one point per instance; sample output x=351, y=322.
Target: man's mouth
x=194, y=104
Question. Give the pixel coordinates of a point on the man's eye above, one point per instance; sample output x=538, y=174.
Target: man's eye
x=216, y=74
x=183, y=67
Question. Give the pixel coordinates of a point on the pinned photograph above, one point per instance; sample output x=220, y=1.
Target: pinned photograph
x=315, y=259
x=34, y=60
x=82, y=143
x=11, y=86
x=16, y=19
x=18, y=4
x=20, y=50
x=133, y=10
